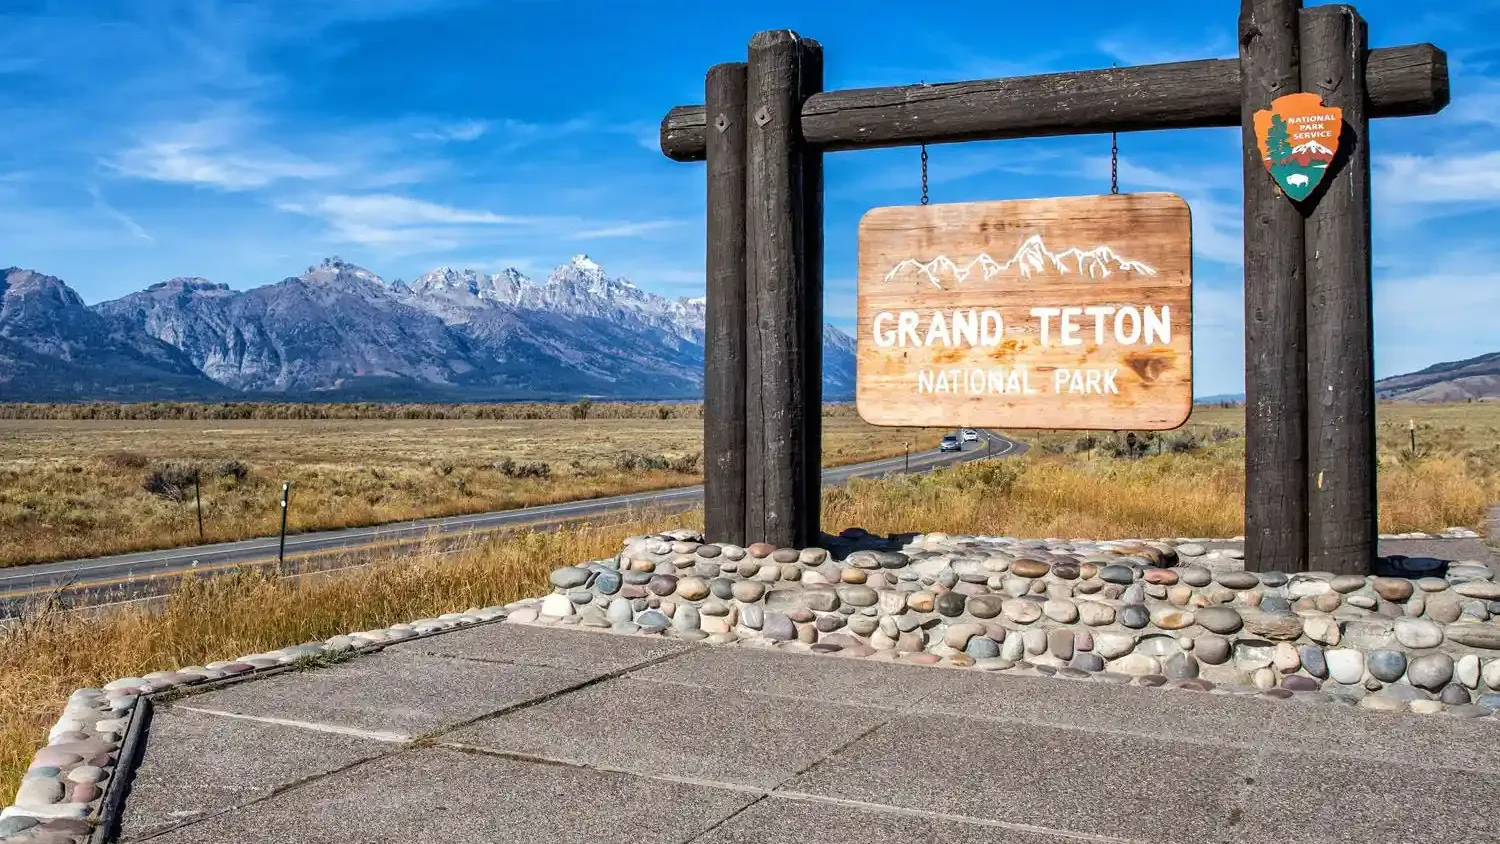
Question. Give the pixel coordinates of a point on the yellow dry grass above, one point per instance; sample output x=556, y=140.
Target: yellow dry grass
x=50, y=653
x=1054, y=491
x=74, y=488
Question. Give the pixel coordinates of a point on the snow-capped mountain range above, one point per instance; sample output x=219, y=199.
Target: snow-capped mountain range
x=341, y=332
x=1032, y=257
x=1312, y=148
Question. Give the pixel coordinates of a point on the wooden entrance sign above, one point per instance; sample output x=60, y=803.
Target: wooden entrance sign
x=1067, y=313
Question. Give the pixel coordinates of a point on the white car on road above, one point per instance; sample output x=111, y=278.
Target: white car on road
x=969, y=435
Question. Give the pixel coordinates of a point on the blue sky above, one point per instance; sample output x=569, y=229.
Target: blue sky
x=243, y=141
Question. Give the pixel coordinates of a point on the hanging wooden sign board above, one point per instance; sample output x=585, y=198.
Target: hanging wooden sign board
x=1298, y=137
x=1068, y=313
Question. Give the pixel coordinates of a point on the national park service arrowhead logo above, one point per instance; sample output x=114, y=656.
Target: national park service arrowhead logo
x=1298, y=138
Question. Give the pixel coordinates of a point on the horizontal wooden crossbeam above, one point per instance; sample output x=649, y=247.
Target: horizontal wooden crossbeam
x=1403, y=81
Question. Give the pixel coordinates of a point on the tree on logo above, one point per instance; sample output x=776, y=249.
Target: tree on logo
x=1278, y=140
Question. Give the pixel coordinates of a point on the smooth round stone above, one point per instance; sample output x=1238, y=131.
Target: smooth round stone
x=1021, y=611
x=1213, y=650
x=959, y=634
x=785, y=555
x=1306, y=587
x=984, y=606
x=1115, y=573
x=1392, y=588
x=1160, y=577
x=1060, y=644
x=1386, y=665
x=1379, y=703
x=1345, y=665
x=1180, y=666
x=1313, y=661
x=708, y=552
x=557, y=606
x=778, y=626
x=749, y=591
x=761, y=550
x=692, y=588
x=982, y=648
x=1150, y=680
x=1065, y=571
x=685, y=619
x=1273, y=578
x=569, y=577
x=1112, y=645
x=1468, y=710
x=1285, y=658
x=1346, y=583
x=1476, y=635
x=1454, y=694
x=1196, y=576
x=721, y=588
x=1171, y=618
x=1158, y=646
x=1418, y=633
x=662, y=584
x=653, y=621
x=1237, y=580
x=1264, y=679
x=1219, y=619
x=1137, y=665
x=1481, y=589
x=1029, y=568
x=39, y=792
x=92, y=774
x=1135, y=593
x=819, y=600
x=949, y=604
x=892, y=559
x=1299, y=683
x=1035, y=641
x=1191, y=549
x=1092, y=613
x=1466, y=670
x=1444, y=607
x=1133, y=616
x=1060, y=610
x=812, y=556
x=1430, y=672
x=753, y=616
x=858, y=595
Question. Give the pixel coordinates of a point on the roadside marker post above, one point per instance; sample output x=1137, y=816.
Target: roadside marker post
x=286, y=492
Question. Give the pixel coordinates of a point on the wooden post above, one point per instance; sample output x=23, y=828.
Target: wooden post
x=1275, y=307
x=1342, y=525
x=811, y=82
x=1403, y=81
x=776, y=272
x=724, y=386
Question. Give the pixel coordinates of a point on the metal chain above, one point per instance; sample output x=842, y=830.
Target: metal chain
x=1114, y=156
x=924, y=160
x=924, y=174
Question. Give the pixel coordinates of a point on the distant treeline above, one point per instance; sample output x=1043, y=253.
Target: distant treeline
x=155, y=411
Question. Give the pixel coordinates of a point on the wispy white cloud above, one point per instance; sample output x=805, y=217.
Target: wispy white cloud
x=1138, y=47
x=118, y=216
x=391, y=210
x=461, y=131
x=1438, y=179
x=218, y=151
x=626, y=229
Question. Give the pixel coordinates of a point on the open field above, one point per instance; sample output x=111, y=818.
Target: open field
x=1058, y=490
x=86, y=488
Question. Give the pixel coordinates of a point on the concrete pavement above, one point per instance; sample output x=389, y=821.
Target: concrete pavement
x=505, y=732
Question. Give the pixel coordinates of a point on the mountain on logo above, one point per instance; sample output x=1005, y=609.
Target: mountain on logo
x=1311, y=153
x=1032, y=257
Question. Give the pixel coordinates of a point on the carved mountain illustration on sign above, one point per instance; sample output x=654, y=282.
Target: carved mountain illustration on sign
x=1299, y=137
x=1032, y=257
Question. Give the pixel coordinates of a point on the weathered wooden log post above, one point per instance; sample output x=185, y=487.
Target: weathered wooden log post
x=775, y=242
x=724, y=377
x=812, y=295
x=1342, y=525
x=1275, y=306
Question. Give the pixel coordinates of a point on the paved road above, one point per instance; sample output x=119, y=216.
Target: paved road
x=127, y=576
